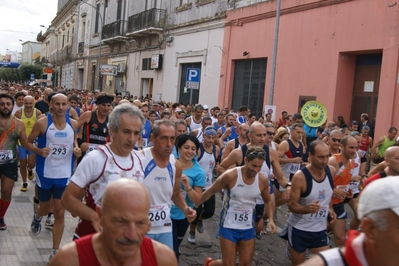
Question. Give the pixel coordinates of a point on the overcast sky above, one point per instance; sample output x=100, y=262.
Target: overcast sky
x=21, y=19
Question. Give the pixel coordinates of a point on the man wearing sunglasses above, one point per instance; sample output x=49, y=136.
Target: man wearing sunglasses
x=334, y=141
x=243, y=185
x=344, y=163
x=257, y=135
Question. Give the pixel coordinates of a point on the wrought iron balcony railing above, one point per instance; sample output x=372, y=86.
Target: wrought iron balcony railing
x=114, y=29
x=153, y=18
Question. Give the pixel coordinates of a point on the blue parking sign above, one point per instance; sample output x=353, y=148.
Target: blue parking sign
x=193, y=78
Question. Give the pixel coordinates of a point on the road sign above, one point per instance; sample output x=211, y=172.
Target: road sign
x=9, y=64
x=193, y=78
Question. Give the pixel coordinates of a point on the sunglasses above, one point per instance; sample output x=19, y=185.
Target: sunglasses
x=270, y=133
x=336, y=140
x=258, y=154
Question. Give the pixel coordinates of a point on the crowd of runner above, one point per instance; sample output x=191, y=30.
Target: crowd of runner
x=76, y=147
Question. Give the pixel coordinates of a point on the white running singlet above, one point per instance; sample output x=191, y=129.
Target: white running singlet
x=239, y=203
x=159, y=182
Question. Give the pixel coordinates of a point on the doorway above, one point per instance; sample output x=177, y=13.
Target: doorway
x=188, y=96
x=146, y=88
x=249, y=84
x=366, y=86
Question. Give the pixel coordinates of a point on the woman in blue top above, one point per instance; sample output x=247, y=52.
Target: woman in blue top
x=192, y=184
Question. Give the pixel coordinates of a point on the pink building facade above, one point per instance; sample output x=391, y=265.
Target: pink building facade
x=341, y=53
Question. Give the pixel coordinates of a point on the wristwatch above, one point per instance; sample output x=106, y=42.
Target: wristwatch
x=288, y=184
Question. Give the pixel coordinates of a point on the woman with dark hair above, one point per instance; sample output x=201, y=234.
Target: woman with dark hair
x=341, y=122
x=192, y=184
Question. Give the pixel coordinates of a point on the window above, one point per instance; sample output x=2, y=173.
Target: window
x=119, y=10
x=146, y=64
x=97, y=18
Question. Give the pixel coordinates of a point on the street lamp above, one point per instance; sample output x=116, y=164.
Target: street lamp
x=31, y=49
x=52, y=30
x=101, y=35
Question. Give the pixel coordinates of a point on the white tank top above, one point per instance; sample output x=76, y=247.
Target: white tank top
x=159, y=182
x=266, y=171
x=59, y=163
x=354, y=185
x=321, y=191
x=112, y=171
x=207, y=162
x=239, y=204
x=194, y=125
x=200, y=136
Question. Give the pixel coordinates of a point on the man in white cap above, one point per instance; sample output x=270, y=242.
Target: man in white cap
x=377, y=244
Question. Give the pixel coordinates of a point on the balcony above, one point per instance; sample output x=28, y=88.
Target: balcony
x=81, y=47
x=114, y=31
x=146, y=22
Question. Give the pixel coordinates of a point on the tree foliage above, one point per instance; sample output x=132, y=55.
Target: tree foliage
x=21, y=74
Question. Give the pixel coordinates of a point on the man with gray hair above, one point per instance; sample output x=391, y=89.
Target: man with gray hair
x=105, y=164
x=377, y=244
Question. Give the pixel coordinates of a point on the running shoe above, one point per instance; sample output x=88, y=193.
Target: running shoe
x=52, y=254
x=30, y=175
x=49, y=222
x=3, y=225
x=24, y=187
x=191, y=237
x=200, y=227
x=36, y=226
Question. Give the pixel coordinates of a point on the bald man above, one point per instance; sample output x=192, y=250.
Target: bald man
x=28, y=115
x=55, y=149
x=43, y=105
x=137, y=102
x=122, y=241
x=391, y=166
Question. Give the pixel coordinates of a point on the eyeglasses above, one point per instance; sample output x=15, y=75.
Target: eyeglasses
x=270, y=133
x=261, y=154
x=336, y=140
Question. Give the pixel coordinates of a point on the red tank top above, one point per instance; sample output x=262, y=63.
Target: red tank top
x=364, y=144
x=87, y=256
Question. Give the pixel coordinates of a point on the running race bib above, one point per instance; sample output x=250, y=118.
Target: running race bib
x=294, y=167
x=92, y=147
x=160, y=215
x=321, y=214
x=354, y=185
x=59, y=151
x=240, y=218
x=6, y=155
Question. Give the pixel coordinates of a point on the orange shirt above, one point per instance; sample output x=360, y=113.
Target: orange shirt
x=343, y=177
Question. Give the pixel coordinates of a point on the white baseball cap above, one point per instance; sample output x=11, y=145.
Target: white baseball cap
x=380, y=194
x=205, y=107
